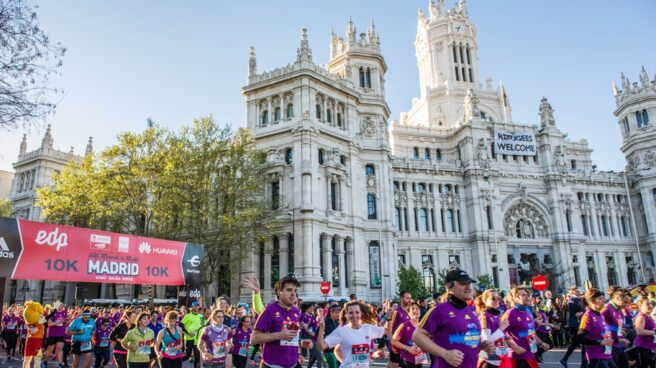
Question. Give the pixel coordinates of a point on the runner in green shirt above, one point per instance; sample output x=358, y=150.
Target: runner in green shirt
x=191, y=323
x=138, y=342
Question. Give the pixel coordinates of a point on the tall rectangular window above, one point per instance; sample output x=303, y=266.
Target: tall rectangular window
x=568, y=220
x=333, y=196
x=428, y=273
x=450, y=221
x=423, y=219
x=275, y=194
x=398, y=218
x=488, y=212
x=584, y=225
x=335, y=263
x=371, y=206
x=432, y=211
x=346, y=265
x=375, y=275
x=405, y=218
x=416, y=220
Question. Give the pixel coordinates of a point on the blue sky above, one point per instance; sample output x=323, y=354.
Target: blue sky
x=174, y=61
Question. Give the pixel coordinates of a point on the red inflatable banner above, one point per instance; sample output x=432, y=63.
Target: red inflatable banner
x=37, y=250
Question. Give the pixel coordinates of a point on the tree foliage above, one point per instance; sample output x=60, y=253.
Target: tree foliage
x=27, y=61
x=204, y=184
x=6, y=210
x=410, y=279
x=485, y=282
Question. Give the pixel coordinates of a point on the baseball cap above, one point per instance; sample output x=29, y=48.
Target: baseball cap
x=195, y=303
x=458, y=275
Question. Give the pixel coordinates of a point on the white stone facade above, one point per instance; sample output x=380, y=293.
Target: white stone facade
x=442, y=197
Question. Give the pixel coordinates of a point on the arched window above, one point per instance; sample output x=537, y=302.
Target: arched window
x=276, y=114
x=290, y=111
x=371, y=206
x=426, y=153
x=415, y=153
x=367, y=78
x=645, y=118
x=289, y=156
x=361, y=74
x=318, y=111
x=369, y=170
x=421, y=187
x=265, y=117
x=329, y=115
x=339, y=119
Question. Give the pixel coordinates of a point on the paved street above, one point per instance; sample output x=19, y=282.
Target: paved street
x=551, y=360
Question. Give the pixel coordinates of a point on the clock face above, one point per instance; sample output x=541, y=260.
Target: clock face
x=458, y=28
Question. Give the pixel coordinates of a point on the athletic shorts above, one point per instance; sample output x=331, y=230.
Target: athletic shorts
x=33, y=346
x=394, y=357
x=52, y=340
x=76, y=349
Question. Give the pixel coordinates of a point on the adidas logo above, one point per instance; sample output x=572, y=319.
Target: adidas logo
x=5, y=252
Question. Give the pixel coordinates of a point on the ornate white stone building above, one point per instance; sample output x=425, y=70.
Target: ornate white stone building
x=429, y=190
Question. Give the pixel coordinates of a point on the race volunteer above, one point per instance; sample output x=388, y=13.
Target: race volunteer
x=355, y=335
x=398, y=317
x=82, y=328
x=277, y=328
x=451, y=331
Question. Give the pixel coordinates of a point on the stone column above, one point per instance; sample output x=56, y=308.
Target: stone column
x=268, y=250
x=339, y=245
x=325, y=256
x=622, y=269
x=602, y=272
x=283, y=254
x=351, y=262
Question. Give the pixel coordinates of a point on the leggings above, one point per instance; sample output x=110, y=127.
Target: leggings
x=171, y=363
x=120, y=360
x=10, y=338
x=191, y=348
x=238, y=361
x=645, y=357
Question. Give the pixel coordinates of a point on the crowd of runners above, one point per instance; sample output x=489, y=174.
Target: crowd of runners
x=457, y=329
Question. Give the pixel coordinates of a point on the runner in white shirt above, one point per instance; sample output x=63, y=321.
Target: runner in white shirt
x=355, y=335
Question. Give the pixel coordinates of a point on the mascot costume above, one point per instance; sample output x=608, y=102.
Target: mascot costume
x=34, y=320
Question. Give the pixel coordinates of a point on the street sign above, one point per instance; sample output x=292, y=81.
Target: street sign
x=540, y=283
x=325, y=287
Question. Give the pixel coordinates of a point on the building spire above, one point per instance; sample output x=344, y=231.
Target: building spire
x=47, y=141
x=304, y=53
x=23, y=145
x=350, y=32
x=89, y=149
x=644, y=78
x=252, y=63
x=615, y=89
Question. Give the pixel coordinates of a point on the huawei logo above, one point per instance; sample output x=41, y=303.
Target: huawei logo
x=144, y=248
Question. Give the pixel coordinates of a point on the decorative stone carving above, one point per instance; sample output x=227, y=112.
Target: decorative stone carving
x=400, y=198
x=371, y=184
x=275, y=157
x=584, y=207
x=546, y=114
x=367, y=128
x=522, y=192
x=482, y=153
x=524, y=221
x=559, y=159
x=252, y=63
x=450, y=200
x=471, y=105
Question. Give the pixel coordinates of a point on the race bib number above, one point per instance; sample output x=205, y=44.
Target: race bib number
x=218, y=350
x=291, y=325
x=360, y=355
x=500, y=349
x=85, y=346
x=421, y=359
x=243, y=349
x=532, y=343
x=104, y=342
x=10, y=326
x=171, y=349
x=144, y=348
x=620, y=325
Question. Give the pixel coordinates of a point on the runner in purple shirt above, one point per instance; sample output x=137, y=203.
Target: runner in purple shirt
x=214, y=343
x=451, y=331
x=594, y=332
x=10, y=332
x=241, y=337
x=492, y=327
x=101, y=349
x=57, y=323
x=398, y=316
x=520, y=334
x=613, y=313
x=645, y=330
x=277, y=328
x=411, y=355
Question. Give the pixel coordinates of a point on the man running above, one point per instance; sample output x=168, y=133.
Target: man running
x=451, y=331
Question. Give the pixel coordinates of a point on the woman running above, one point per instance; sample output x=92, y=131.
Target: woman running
x=487, y=306
x=411, y=355
x=645, y=331
x=138, y=342
x=169, y=345
x=521, y=336
x=118, y=333
x=214, y=341
x=241, y=337
x=355, y=335
x=594, y=332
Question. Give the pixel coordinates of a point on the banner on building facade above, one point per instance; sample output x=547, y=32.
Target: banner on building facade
x=520, y=144
x=41, y=251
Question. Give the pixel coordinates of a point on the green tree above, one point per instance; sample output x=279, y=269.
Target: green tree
x=486, y=281
x=441, y=280
x=204, y=184
x=409, y=279
x=6, y=210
